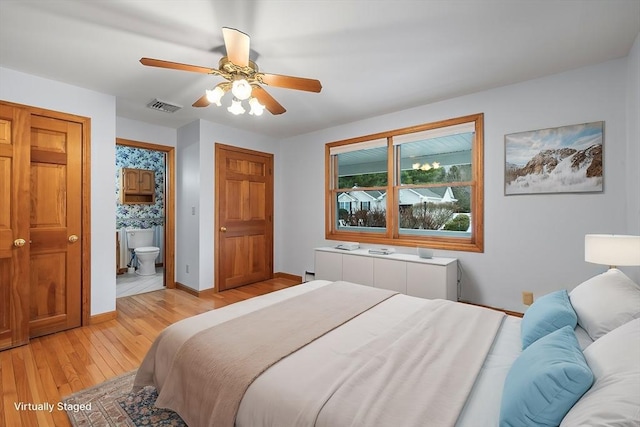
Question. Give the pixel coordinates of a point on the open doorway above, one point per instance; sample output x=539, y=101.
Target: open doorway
x=145, y=225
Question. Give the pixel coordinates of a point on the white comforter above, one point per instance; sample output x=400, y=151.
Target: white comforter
x=281, y=395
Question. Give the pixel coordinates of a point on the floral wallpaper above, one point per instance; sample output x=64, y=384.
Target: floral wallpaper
x=140, y=216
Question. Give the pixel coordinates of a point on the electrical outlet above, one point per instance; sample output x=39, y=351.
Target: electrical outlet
x=527, y=298
x=187, y=268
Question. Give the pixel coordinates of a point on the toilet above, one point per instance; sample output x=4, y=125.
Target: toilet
x=140, y=240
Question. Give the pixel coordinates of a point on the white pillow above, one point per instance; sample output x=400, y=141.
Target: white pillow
x=605, y=302
x=614, y=398
x=584, y=340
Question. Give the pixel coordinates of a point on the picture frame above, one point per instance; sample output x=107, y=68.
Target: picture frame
x=566, y=159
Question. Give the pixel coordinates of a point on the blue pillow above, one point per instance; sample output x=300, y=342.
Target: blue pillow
x=549, y=313
x=545, y=381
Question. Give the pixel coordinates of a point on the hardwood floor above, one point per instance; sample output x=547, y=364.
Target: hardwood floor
x=54, y=366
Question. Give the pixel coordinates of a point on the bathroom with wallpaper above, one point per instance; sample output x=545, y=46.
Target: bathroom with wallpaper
x=139, y=216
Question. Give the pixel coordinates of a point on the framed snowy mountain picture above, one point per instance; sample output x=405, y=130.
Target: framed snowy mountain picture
x=565, y=159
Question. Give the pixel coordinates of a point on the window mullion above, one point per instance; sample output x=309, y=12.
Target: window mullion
x=394, y=172
x=333, y=183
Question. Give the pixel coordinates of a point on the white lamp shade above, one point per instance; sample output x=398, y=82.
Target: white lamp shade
x=612, y=249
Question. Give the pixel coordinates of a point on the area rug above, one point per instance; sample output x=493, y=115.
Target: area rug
x=112, y=403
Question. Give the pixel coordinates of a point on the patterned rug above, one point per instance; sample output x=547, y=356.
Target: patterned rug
x=112, y=403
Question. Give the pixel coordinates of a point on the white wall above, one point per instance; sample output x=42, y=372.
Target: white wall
x=188, y=205
x=532, y=243
x=196, y=167
x=100, y=108
x=146, y=132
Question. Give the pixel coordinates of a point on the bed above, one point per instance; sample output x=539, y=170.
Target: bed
x=385, y=365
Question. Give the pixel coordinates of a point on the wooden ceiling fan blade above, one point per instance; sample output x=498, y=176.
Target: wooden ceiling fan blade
x=202, y=101
x=288, y=82
x=267, y=100
x=177, y=66
x=237, y=44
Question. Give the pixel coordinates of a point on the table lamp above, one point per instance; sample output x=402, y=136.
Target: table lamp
x=612, y=249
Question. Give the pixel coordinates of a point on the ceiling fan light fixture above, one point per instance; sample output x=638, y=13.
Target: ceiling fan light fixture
x=236, y=107
x=241, y=76
x=215, y=95
x=256, y=108
x=241, y=89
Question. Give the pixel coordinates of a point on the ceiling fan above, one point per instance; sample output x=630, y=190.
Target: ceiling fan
x=242, y=76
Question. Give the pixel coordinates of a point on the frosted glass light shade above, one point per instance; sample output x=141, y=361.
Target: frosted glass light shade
x=612, y=249
x=256, y=108
x=236, y=107
x=241, y=89
x=214, y=96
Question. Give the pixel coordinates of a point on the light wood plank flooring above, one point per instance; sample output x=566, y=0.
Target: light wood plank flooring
x=54, y=366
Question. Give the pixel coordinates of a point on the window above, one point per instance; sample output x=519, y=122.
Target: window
x=418, y=186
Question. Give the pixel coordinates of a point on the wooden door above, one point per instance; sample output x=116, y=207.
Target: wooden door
x=55, y=225
x=244, y=216
x=14, y=226
x=41, y=205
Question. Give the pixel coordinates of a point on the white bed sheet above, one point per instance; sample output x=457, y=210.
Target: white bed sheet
x=275, y=397
x=483, y=405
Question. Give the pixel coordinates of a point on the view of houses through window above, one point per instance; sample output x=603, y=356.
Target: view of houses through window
x=421, y=185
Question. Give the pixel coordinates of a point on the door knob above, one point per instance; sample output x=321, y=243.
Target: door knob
x=223, y=229
x=18, y=243
x=73, y=238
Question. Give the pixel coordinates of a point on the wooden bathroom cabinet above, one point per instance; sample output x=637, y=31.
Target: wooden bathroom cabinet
x=137, y=186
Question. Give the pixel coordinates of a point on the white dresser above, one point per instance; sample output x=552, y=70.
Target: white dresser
x=409, y=274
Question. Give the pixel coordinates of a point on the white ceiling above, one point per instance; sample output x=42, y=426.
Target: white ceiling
x=372, y=57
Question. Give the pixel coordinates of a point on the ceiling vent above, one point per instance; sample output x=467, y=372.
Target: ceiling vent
x=167, y=107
